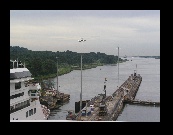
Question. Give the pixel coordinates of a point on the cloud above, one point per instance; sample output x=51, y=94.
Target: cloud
x=102, y=29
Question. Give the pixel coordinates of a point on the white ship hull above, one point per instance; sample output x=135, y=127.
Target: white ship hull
x=22, y=114
x=24, y=96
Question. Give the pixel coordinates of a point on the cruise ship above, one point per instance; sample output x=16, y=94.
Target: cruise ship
x=24, y=95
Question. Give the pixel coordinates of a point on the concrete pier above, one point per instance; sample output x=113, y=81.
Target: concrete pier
x=108, y=108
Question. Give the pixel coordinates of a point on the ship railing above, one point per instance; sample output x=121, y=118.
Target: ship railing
x=12, y=110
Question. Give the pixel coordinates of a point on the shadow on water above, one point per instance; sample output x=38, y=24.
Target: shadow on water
x=57, y=109
x=58, y=106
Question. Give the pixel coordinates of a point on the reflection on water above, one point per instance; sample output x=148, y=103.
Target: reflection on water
x=138, y=113
x=93, y=82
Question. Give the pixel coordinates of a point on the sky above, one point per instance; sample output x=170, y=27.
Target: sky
x=135, y=32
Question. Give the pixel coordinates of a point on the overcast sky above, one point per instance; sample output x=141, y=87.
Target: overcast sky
x=136, y=32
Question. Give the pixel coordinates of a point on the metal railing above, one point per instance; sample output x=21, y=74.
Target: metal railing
x=12, y=110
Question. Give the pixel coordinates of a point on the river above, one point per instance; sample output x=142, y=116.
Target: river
x=93, y=84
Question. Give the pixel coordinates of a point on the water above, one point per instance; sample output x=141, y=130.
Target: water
x=93, y=84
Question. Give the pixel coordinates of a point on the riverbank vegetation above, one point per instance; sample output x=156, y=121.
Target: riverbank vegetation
x=43, y=64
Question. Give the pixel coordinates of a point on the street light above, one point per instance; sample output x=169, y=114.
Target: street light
x=82, y=40
x=118, y=65
x=57, y=76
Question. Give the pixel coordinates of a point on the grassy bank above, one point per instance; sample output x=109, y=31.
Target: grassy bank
x=67, y=69
x=61, y=71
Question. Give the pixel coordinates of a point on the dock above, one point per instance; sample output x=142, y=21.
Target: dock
x=54, y=101
x=107, y=108
x=51, y=97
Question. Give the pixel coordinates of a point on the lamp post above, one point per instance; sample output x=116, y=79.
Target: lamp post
x=82, y=40
x=118, y=66
x=57, y=76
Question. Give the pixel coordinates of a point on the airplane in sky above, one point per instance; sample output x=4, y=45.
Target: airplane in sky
x=81, y=40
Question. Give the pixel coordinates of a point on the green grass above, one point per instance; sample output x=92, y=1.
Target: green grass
x=67, y=69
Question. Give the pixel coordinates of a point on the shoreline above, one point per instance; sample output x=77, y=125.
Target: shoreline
x=66, y=70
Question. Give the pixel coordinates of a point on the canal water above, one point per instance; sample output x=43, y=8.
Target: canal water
x=93, y=84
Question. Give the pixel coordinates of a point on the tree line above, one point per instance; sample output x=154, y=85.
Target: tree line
x=42, y=63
